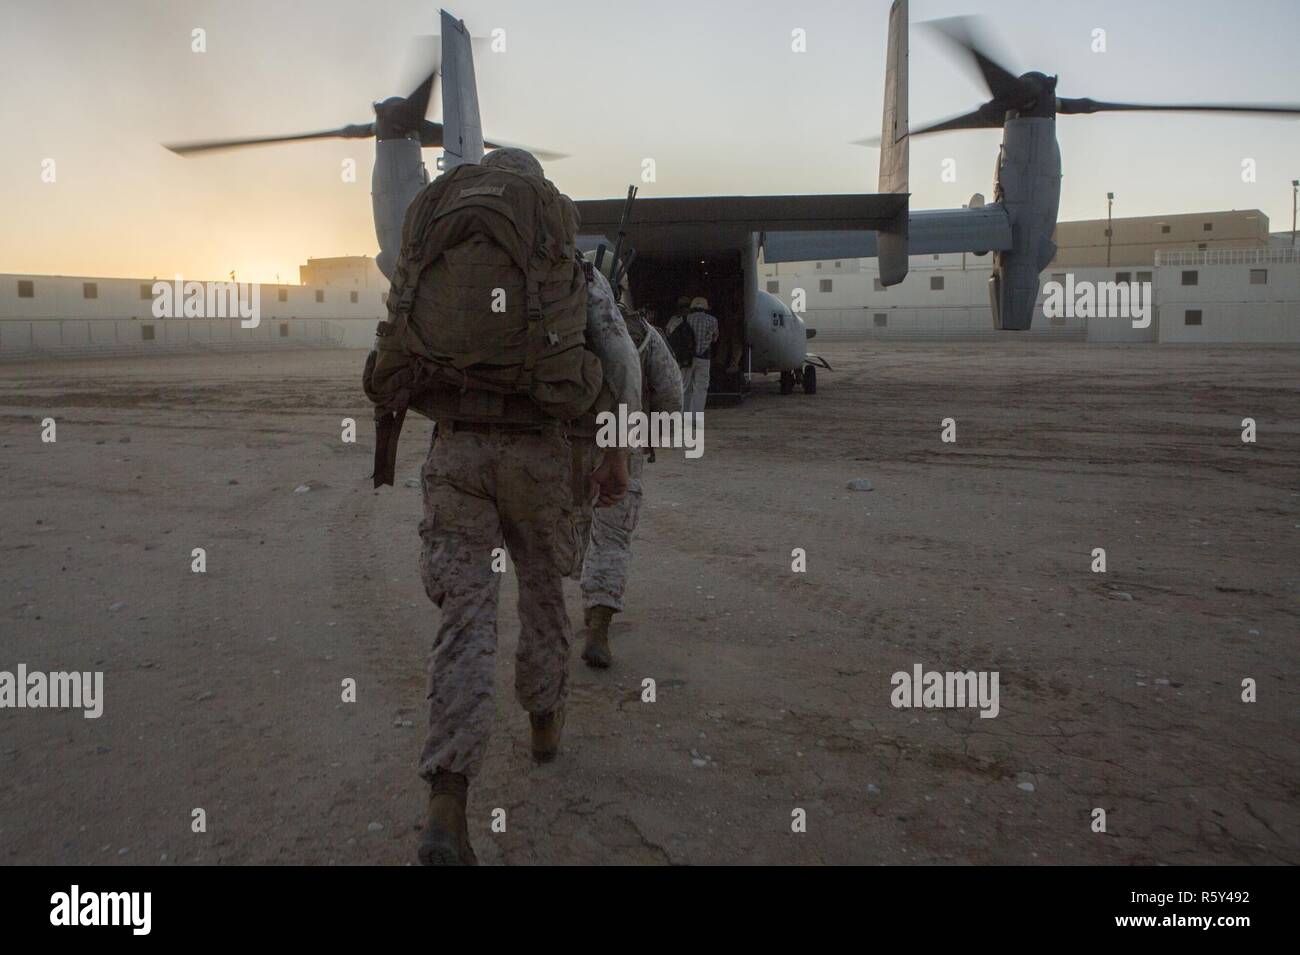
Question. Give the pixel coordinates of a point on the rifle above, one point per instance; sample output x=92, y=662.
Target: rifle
x=619, y=269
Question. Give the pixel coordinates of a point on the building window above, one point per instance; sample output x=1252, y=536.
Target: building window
x=1208, y=227
x=1191, y=278
x=936, y=283
x=819, y=265
x=284, y=329
x=1164, y=230
x=1144, y=276
x=90, y=290
x=146, y=291
x=26, y=289
x=1123, y=276
x=1201, y=247
x=880, y=320
x=1259, y=276
x=838, y=264
x=282, y=294
x=354, y=297
x=878, y=286
x=1108, y=233
x=774, y=287
x=320, y=295
x=1192, y=316
x=824, y=285
x=146, y=333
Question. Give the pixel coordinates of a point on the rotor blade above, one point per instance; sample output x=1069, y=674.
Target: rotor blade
x=430, y=133
x=423, y=59
x=356, y=131
x=976, y=119
x=1074, y=106
x=412, y=111
x=958, y=32
x=543, y=154
x=417, y=104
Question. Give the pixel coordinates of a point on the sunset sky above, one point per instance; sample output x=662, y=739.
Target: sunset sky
x=711, y=91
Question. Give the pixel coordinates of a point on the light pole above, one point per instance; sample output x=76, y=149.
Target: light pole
x=1110, y=207
x=1295, y=195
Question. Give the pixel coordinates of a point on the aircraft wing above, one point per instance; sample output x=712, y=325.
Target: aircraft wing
x=985, y=229
x=676, y=226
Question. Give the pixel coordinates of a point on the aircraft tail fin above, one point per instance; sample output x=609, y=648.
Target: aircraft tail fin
x=893, y=241
x=462, y=129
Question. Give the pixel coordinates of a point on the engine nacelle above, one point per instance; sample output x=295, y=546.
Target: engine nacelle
x=1029, y=189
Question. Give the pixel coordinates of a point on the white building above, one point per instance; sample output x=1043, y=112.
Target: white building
x=62, y=314
x=1237, y=284
x=347, y=271
x=1229, y=295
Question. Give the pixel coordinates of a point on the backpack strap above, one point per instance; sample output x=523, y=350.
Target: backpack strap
x=637, y=325
x=540, y=335
x=536, y=327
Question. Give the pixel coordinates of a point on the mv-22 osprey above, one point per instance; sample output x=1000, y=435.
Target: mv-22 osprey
x=714, y=242
x=704, y=245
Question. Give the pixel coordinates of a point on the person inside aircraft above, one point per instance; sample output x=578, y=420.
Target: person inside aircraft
x=695, y=377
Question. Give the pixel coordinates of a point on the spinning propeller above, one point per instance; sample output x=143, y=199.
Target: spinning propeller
x=1034, y=94
x=395, y=118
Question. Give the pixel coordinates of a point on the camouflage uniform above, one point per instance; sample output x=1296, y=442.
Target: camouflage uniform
x=609, y=553
x=482, y=489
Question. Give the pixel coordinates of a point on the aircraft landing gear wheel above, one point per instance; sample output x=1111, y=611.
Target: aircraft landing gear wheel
x=809, y=380
x=787, y=382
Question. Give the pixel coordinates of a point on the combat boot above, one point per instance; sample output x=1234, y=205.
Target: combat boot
x=595, y=651
x=546, y=734
x=446, y=837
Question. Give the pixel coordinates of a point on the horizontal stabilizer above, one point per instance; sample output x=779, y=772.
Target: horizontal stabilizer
x=930, y=231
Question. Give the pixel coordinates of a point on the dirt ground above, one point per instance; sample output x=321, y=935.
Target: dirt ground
x=1119, y=690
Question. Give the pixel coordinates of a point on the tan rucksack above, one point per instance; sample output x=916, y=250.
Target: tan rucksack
x=487, y=314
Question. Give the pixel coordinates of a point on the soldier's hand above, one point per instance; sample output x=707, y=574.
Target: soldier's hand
x=609, y=481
